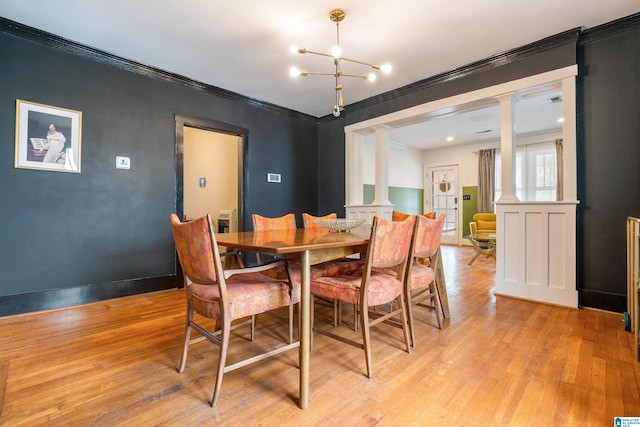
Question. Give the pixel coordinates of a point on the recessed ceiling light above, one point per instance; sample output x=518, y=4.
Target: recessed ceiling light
x=561, y=120
x=449, y=138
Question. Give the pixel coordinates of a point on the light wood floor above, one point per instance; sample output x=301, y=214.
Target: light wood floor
x=496, y=362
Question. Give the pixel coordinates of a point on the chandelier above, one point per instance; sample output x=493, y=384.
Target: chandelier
x=337, y=15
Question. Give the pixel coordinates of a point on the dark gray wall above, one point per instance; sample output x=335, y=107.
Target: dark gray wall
x=105, y=232
x=608, y=159
x=71, y=238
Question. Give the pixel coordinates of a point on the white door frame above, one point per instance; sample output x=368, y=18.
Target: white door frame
x=450, y=237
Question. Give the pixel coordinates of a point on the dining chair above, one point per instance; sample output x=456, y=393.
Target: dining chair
x=388, y=247
x=225, y=295
x=263, y=223
x=310, y=220
x=328, y=268
x=420, y=288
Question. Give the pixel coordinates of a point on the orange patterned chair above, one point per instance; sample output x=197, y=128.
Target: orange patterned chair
x=401, y=216
x=309, y=220
x=263, y=223
x=420, y=286
x=225, y=295
x=388, y=247
x=328, y=268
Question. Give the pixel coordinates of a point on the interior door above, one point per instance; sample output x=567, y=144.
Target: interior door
x=441, y=183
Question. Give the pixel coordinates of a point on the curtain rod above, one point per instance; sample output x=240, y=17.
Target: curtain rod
x=530, y=143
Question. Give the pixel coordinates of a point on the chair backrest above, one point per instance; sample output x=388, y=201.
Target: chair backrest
x=197, y=249
x=401, y=216
x=427, y=236
x=309, y=220
x=390, y=242
x=485, y=223
x=263, y=223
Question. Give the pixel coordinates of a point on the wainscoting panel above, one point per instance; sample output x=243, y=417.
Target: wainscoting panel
x=536, y=251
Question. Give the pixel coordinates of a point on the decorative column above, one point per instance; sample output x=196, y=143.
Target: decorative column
x=354, y=178
x=382, y=165
x=355, y=207
x=507, y=145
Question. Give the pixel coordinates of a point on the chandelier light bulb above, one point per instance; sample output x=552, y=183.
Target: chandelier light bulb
x=337, y=16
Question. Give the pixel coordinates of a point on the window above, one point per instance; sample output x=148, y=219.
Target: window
x=535, y=172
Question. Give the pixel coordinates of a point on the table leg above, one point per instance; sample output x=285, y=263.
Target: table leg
x=305, y=329
x=441, y=284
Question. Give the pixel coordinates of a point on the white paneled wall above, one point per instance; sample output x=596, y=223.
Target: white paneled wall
x=536, y=251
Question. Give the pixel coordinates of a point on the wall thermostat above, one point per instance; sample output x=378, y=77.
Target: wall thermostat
x=273, y=177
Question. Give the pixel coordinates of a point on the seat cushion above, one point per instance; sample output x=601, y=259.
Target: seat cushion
x=324, y=269
x=421, y=275
x=250, y=293
x=383, y=288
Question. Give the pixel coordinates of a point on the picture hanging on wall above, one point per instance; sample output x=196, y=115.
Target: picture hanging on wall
x=47, y=137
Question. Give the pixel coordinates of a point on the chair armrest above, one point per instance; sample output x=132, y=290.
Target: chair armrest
x=257, y=269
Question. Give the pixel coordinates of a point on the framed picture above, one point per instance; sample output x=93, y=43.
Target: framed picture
x=47, y=137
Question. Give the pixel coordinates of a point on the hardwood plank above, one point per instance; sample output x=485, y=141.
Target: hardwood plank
x=497, y=361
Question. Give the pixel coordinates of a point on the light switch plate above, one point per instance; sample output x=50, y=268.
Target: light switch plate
x=123, y=162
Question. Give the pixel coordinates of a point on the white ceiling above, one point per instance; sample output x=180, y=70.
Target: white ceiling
x=243, y=45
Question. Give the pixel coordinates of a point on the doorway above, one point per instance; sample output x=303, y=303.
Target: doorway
x=210, y=172
x=211, y=178
x=441, y=184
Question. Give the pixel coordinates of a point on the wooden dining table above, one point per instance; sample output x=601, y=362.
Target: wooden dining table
x=313, y=246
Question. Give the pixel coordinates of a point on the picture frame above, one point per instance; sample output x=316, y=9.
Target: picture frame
x=47, y=137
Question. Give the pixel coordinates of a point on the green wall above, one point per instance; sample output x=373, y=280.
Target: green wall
x=407, y=200
x=469, y=207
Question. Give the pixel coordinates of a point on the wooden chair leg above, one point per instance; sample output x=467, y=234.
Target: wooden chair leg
x=355, y=317
x=409, y=303
x=222, y=360
x=312, y=315
x=254, y=318
x=291, y=323
x=435, y=301
x=366, y=339
x=187, y=338
x=405, y=323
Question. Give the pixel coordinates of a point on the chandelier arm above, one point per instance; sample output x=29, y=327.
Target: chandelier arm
x=315, y=53
x=376, y=66
x=360, y=76
x=315, y=73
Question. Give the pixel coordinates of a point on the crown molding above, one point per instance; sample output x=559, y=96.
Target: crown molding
x=48, y=39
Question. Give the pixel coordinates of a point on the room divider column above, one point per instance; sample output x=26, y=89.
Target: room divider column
x=355, y=207
x=507, y=148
